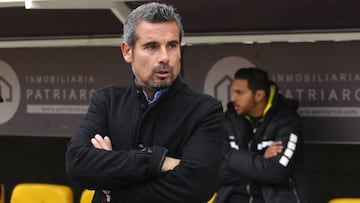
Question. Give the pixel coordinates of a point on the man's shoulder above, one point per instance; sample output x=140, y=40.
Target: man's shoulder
x=113, y=88
x=192, y=99
x=110, y=92
x=286, y=110
x=199, y=96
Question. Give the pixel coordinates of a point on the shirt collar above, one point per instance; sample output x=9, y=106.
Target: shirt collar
x=156, y=96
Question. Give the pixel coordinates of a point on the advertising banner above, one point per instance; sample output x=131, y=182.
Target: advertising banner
x=46, y=91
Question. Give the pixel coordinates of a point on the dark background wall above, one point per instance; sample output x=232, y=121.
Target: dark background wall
x=333, y=169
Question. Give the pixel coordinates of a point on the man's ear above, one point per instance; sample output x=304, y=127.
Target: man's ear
x=259, y=95
x=126, y=52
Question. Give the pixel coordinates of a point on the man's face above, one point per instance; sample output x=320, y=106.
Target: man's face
x=155, y=58
x=242, y=97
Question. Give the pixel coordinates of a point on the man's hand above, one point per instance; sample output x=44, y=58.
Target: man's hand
x=274, y=149
x=100, y=142
x=103, y=143
x=169, y=164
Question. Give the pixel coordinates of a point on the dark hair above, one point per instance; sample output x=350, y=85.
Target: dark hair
x=257, y=78
x=151, y=12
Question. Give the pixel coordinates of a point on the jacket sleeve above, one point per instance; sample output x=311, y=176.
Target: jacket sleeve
x=226, y=176
x=254, y=166
x=99, y=169
x=194, y=180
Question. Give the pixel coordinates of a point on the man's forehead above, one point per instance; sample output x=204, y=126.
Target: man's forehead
x=167, y=27
x=240, y=83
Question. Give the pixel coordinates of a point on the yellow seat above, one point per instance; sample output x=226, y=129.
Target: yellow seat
x=212, y=198
x=345, y=200
x=41, y=192
x=2, y=193
x=87, y=196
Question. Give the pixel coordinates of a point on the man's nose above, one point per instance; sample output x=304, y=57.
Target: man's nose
x=232, y=97
x=164, y=55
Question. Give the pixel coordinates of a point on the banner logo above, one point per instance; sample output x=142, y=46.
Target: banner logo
x=9, y=92
x=218, y=79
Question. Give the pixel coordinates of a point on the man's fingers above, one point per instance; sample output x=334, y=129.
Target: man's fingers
x=107, y=142
x=273, y=150
x=277, y=143
x=95, y=143
x=277, y=146
x=101, y=143
x=169, y=164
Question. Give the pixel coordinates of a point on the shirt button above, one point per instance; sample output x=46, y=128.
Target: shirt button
x=143, y=107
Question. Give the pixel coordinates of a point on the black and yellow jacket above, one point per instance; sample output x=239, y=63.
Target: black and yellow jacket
x=280, y=179
x=181, y=124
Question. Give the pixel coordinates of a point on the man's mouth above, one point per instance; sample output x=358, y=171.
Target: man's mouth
x=237, y=108
x=162, y=74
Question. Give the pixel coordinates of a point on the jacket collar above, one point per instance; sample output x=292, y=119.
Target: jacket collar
x=174, y=87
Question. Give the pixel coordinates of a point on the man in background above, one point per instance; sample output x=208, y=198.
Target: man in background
x=263, y=160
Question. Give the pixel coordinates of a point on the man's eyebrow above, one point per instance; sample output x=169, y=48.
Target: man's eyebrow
x=174, y=41
x=151, y=43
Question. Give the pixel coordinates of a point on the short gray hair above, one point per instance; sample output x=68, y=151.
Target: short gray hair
x=151, y=12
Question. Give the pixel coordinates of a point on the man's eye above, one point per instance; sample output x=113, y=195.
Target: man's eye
x=239, y=92
x=150, y=47
x=173, y=45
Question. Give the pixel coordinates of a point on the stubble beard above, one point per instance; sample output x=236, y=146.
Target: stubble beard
x=164, y=82
x=153, y=85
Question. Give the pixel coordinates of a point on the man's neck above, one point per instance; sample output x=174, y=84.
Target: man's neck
x=149, y=92
x=258, y=110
